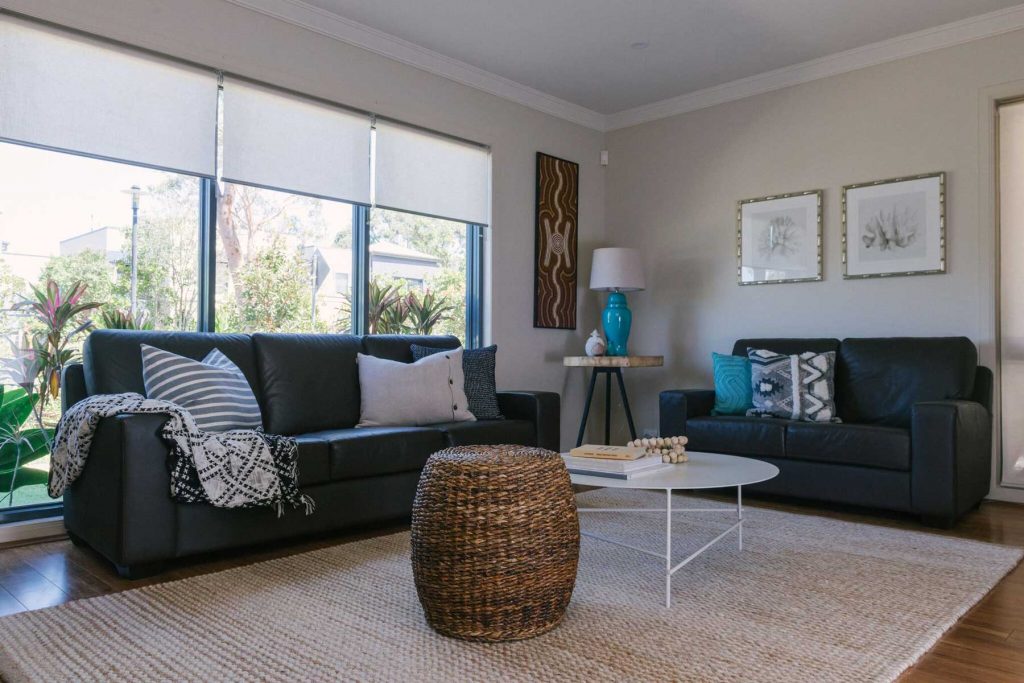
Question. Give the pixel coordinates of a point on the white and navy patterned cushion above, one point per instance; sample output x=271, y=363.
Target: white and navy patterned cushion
x=214, y=391
x=795, y=387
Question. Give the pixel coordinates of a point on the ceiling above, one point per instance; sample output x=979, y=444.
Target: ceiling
x=582, y=51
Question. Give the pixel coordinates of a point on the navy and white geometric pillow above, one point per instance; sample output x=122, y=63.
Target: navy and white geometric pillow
x=214, y=391
x=793, y=387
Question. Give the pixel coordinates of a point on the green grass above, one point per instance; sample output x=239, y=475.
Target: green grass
x=30, y=495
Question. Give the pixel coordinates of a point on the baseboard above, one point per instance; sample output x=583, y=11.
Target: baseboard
x=1006, y=494
x=19, y=532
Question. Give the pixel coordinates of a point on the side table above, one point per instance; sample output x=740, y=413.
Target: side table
x=608, y=366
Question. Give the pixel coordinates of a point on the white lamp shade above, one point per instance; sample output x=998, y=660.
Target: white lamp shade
x=617, y=269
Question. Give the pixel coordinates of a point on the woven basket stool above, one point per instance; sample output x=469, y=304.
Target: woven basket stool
x=495, y=541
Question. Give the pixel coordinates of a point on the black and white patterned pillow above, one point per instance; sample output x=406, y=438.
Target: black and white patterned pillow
x=478, y=368
x=794, y=387
x=214, y=391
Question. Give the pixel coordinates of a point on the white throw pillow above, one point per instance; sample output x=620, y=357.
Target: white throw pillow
x=429, y=391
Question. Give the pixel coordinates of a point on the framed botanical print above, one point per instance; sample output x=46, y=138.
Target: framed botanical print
x=895, y=227
x=778, y=238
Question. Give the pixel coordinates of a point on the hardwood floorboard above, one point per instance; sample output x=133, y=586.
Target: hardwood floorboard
x=986, y=645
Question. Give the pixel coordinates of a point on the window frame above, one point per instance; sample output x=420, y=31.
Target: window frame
x=359, y=280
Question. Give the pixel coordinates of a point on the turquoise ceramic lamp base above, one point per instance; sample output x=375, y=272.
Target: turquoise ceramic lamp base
x=617, y=319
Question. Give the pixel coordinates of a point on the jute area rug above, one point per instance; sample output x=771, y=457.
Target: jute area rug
x=808, y=599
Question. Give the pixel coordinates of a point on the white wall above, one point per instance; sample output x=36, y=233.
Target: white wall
x=225, y=36
x=673, y=185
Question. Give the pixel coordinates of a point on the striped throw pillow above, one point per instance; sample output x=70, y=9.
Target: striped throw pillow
x=214, y=391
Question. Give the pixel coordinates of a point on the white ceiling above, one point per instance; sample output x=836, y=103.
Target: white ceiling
x=580, y=50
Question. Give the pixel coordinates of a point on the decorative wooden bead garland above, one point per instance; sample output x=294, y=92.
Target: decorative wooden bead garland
x=669, y=448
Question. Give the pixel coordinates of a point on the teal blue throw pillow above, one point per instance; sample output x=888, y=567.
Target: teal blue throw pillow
x=733, y=395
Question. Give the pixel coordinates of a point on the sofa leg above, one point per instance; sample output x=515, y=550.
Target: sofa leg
x=139, y=571
x=938, y=521
x=77, y=540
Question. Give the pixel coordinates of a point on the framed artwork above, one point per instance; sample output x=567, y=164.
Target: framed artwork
x=554, y=279
x=778, y=238
x=895, y=227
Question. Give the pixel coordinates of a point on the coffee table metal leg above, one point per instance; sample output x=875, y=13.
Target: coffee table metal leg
x=668, y=548
x=739, y=514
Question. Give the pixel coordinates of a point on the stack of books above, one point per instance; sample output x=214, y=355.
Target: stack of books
x=615, y=462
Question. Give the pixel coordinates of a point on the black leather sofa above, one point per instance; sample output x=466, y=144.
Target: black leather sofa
x=308, y=387
x=916, y=431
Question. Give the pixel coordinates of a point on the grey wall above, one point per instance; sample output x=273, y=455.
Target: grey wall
x=673, y=185
x=232, y=38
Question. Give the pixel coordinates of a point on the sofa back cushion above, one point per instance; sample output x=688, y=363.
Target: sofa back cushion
x=398, y=346
x=310, y=381
x=879, y=380
x=113, y=358
x=785, y=346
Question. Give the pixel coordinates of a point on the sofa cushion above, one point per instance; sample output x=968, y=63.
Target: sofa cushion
x=785, y=346
x=310, y=381
x=489, y=432
x=113, y=358
x=374, y=451
x=213, y=391
x=397, y=346
x=737, y=435
x=849, y=444
x=879, y=380
x=478, y=371
x=314, y=458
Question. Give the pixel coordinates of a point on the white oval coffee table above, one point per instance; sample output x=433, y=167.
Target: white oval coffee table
x=703, y=471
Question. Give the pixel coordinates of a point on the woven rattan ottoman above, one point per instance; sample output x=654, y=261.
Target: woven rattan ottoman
x=495, y=542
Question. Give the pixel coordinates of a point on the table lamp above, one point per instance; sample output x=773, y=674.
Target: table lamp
x=617, y=270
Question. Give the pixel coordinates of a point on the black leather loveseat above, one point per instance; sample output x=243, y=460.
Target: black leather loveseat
x=307, y=386
x=916, y=431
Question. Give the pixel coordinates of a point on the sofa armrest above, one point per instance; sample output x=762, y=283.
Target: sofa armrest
x=121, y=503
x=951, y=458
x=542, y=408
x=676, y=406
x=72, y=386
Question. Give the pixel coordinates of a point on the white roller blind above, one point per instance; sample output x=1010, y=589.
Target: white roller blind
x=431, y=174
x=277, y=140
x=62, y=91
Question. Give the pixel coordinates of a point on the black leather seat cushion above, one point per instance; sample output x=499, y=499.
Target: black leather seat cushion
x=373, y=451
x=310, y=381
x=314, y=456
x=849, y=444
x=785, y=346
x=737, y=435
x=878, y=381
x=396, y=346
x=113, y=358
x=489, y=432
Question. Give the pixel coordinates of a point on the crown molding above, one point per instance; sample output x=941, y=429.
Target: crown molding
x=302, y=14
x=936, y=38
x=353, y=33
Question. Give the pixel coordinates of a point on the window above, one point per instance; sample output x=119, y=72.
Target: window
x=417, y=275
x=71, y=219
x=280, y=260
x=185, y=199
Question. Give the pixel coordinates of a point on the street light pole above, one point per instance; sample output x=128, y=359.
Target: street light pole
x=135, y=251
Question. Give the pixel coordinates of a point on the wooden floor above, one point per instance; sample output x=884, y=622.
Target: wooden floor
x=986, y=645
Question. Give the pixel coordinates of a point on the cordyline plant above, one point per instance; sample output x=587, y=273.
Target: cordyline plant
x=389, y=311
x=59, y=313
x=120, y=319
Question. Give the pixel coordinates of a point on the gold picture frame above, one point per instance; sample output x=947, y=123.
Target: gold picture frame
x=792, y=213
x=883, y=232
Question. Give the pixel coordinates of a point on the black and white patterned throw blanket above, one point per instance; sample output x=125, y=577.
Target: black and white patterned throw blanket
x=236, y=469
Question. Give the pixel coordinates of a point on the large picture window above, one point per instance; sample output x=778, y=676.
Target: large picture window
x=152, y=194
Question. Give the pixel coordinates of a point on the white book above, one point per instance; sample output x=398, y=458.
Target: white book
x=610, y=466
x=620, y=475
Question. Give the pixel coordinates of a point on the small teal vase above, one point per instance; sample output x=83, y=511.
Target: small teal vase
x=617, y=319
